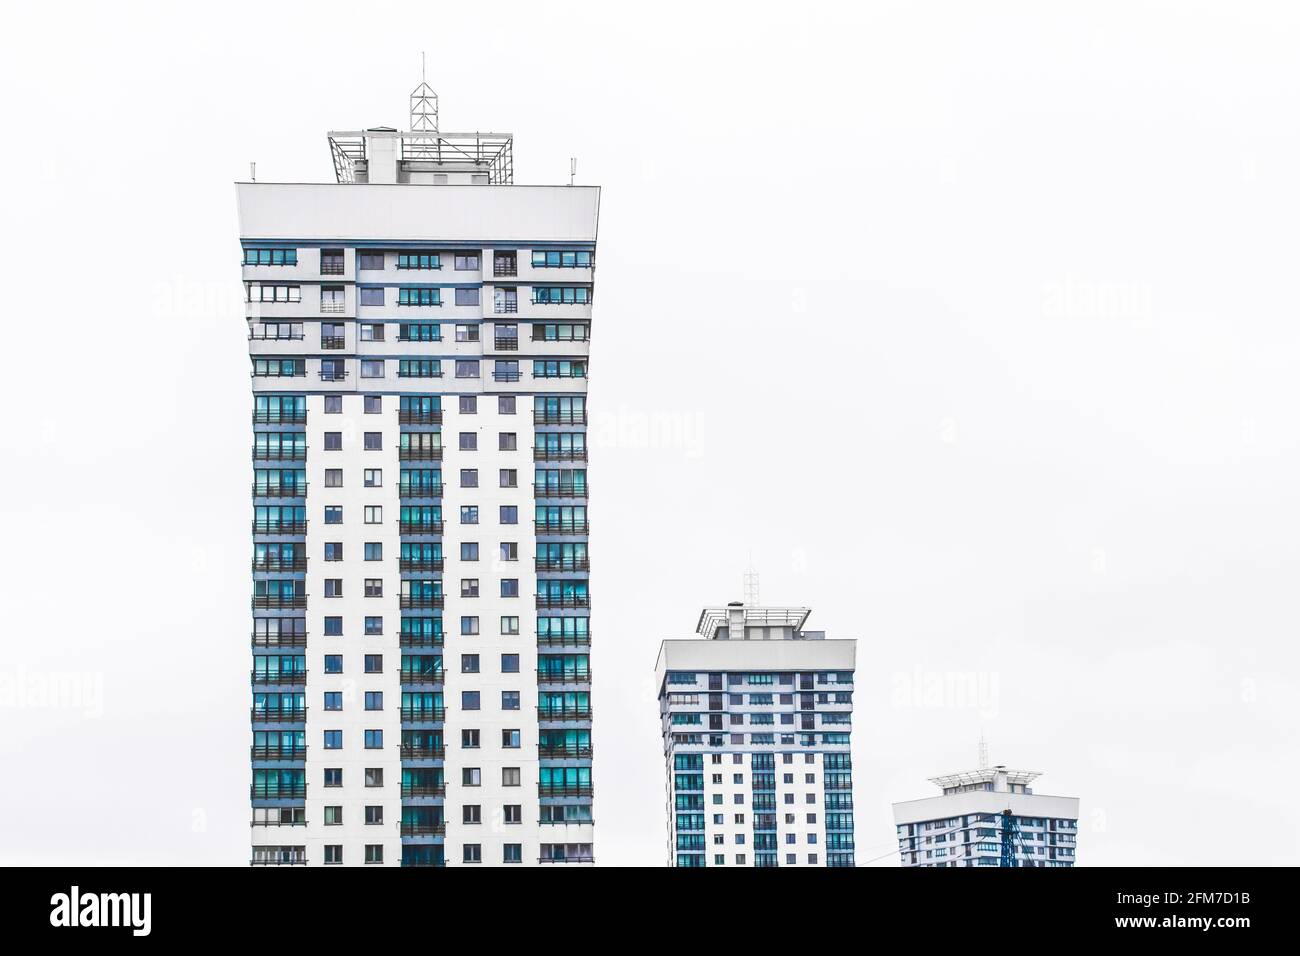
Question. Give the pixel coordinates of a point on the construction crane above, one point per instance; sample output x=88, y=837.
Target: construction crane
x=1013, y=841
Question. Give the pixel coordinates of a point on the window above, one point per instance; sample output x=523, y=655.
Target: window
x=333, y=776
x=509, y=551
x=333, y=663
x=374, y=663
x=555, y=259
x=333, y=816
x=469, y=587
x=374, y=368
x=469, y=739
x=372, y=441
x=471, y=777
x=466, y=333
x=374, y=404
x=469, y=477
x=374, y=550
x=372, y=477
x=512, y=852
x=374, y=776
x=260, y=292
x=505, y=370
x=510, y=625
x=370, y=296
x=333, y=700
x=333, y=853
x=417, y=296
x=509, y=514
x=270, y=257
x=472, y=853
x=370, y=332
x=510, y=777
x=468, y=441
x=333, y=441
x=374, y=816
x=419, y=260
x=333, y=514
x=374, y=738
x=374, y=853
x=419, y=368
x=374, y=514
x=333, y=404
x=419, y=332
x=510, y=739
x=561, y=295
x=374, y=587
x=334, y=739
x=333, y=550
x=469, y=404
x=333, y=587
x=374, y=700
x=469, y=514
x=466, y=263
x=333, y=627
x=471, y=813
x=505, y=404
x=510, y=587
x=510, y=700
x=467, y=368
x=333, y=477
x=469, y=663
x=562, y=368
x=469, y=550
x=371, y=261
x=510, y=663
x=467, y=296
x=469, y=625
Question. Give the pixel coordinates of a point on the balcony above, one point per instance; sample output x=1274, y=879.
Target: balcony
x=267, y=417
x=424, y=790
x=278, y=753
x=278, y=602
x=423, y=453
x=564, y=752
x=333, y=306
x=425, y=601
x=563, y=790
x=424, y=829
x=505, y=376
x=421, y=677
x=420, y=640
x=505, y=268
x=563, y=600
x=506, y=343
x=277, y=491
x=564, y=640
x=505, y=307
x=260, y=335
x=423, y=714
x=566, y=712
x=411, y=752
x=331, y=265
x=288, y=715
x=420, y=564
x=559, y=454
x=421, y=417
x=420, y=491
x=277, y=793
x=279, y=677
x=564, y=677
x=562, y=527
x=332, y=341
x=279, y=527
x=333, y=375
x=420, y=527
x=562, y=490
x=279, y=640
x=278, y=564
x=281, y=453
x=561, y=564
x=560, y=417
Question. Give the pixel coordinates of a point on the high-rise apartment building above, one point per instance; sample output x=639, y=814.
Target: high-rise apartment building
x=418, y=340
x=987, y=817
x=756, y=716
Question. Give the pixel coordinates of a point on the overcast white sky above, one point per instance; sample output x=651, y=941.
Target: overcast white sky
x=977, y=325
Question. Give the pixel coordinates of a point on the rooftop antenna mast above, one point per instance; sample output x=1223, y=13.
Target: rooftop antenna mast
x=424, y=118
x=751, y=585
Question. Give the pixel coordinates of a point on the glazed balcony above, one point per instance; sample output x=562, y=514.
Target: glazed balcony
x=420, y=640
x=420, y=564
x=280, y=491
x=419, y=491
x=422, y=453
x=278, y=677
x=564, y=640
x=279, y=602
x=560, y=417
x=267, y=417
x=561, y=490
x=279, y=527
x=284, y=715
x=565, y=712
x=291, y=453
x=420, y=527
x=279, y=640
x=424, y=829
x=420, y=417
x=280, y=564
x=559, y=454
x=564, y=751
x=421, y=601
x=412, y=752
x=278, y=753
x=563, y=790
x=415, y=715
x=424, y=790
x=561, y=527
x=564, y=677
